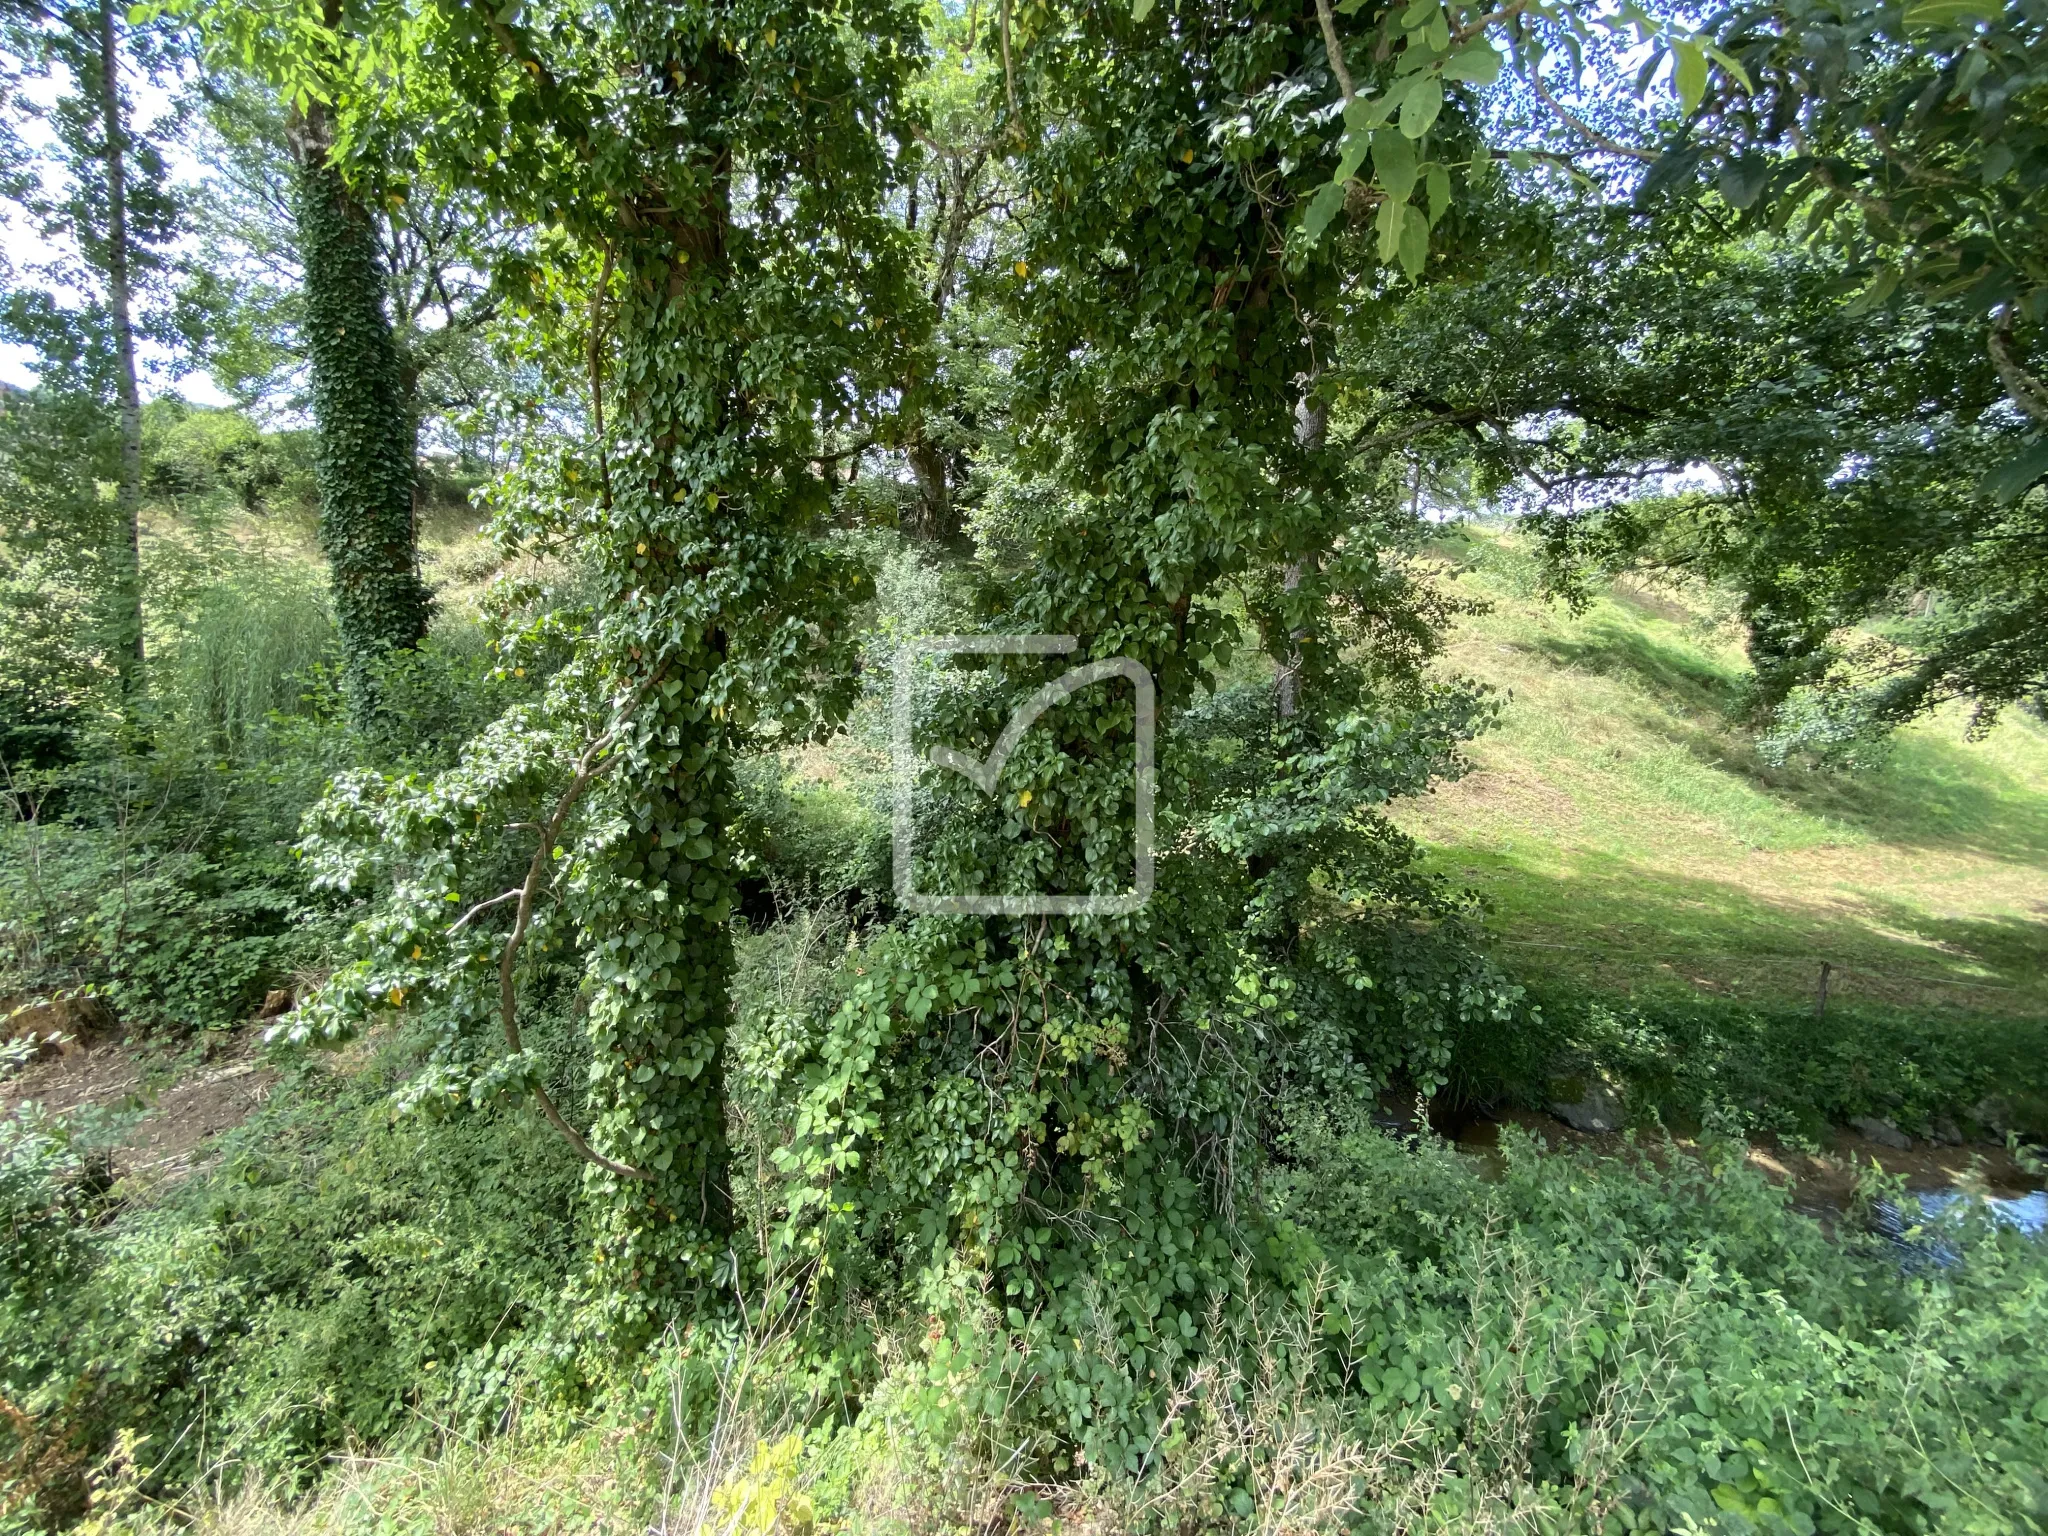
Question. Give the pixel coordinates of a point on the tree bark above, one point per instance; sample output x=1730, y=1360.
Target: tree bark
x=2021, y=387
x=129, y=647
x=936, y=518
x=1311, y=425
x=365, y=460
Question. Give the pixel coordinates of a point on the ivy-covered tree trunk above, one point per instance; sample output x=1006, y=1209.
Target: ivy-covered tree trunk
x=727, y=608
x=733, y=176
x=364, y=463
x=659, y=894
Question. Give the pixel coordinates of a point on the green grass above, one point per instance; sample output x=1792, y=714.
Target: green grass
x=1627, y=835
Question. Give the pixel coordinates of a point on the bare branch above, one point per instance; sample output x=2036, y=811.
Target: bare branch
x=1583, y=130
x=1335, y=50
x=480, y=908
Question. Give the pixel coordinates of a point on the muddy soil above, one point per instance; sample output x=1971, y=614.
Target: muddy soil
x=177, y=1118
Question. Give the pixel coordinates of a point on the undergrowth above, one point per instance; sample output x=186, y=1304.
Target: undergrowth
x=1577, y=1346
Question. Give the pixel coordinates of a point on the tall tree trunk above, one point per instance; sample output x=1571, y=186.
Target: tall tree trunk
x=935, y=516
x=128, y=651
x=364, y=463
x=656, y=903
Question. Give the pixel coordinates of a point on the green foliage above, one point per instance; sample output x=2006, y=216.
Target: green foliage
x=1071, y=1110
x=1675, y=1345
x=1847, y=450
x=189, y=452
x=55, y=528
x=1768, y=1069
x=1110, y=1171
x=1909, y=136
x=335, y=1276
x=364, y=466
x=814, y=842
x=751, y=311
x=163, y=878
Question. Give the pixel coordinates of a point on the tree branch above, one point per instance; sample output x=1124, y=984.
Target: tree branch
x=1583, y=130
x=2021, y=387
x=1466, y=417
x=1473, y=28
x=588, y=769
x=1335, y=50
x=1010, y=78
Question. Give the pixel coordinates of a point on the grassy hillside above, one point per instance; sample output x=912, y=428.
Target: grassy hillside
x=1627, y=835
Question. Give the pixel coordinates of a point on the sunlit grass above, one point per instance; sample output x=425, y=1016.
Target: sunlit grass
x=1626, y=831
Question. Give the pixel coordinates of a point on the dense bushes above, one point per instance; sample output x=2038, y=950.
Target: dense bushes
x=336, y=1275
x=1578, y=1344
x=1758, y=1067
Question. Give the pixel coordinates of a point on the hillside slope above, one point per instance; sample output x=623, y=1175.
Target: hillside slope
x=1626, y=834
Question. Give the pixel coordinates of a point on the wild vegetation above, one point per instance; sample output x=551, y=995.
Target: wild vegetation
x=1569, y=482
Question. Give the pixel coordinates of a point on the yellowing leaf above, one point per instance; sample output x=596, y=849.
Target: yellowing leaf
x=1689, y=74
x=1023, y=269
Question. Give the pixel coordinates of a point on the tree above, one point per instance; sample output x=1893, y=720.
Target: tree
x=1911, y=136
x=101, y=195
x=244, y=296
x=1070, y=1107
x=959, y=192
x=723, y=169
x=365, y=465
x=57, y=539
x=1888, y=486
x=1832, y=455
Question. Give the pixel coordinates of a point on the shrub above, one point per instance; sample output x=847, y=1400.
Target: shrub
x=339, y=1275
x=1775, y=1069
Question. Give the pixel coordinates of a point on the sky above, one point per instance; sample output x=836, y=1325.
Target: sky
x=23, y=248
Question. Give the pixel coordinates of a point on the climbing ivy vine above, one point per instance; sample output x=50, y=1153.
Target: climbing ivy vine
x=365, y=433
x=717, y=174
x=1071, y=1106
